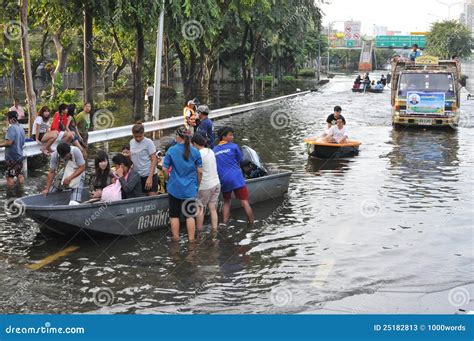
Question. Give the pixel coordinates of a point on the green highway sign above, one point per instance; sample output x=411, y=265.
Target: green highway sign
x=400, y=41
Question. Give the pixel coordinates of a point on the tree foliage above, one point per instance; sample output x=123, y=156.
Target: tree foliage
x=249, y=37
x=449, y=38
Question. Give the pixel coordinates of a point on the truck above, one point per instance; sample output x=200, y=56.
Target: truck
x=425, y=92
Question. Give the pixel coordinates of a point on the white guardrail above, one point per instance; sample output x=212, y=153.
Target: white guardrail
x=33, y=148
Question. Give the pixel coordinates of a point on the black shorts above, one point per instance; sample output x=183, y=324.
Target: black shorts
x=154, y=187
x=187, y=208
x=13, y=168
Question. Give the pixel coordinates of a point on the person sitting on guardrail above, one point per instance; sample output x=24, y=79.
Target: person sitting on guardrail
x=71, y=126
x=57, y=131
x=14, y=142
x=337, y=133
x=74, y=172
x=229, y=158
x=41, y=124
x=143, y=155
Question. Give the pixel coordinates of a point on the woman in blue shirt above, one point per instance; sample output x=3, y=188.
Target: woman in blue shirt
x=186, y=172
x=228, y=158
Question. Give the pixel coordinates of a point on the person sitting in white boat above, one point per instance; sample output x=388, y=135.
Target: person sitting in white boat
x=130, y=179
x=331, y=120
x=337, y=133
x=378, y=86
x=74, y=172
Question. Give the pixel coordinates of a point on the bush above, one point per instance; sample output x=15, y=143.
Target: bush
x=267, y=79
x=107, y=104
x=307, y=73
x=65, y=96
x=288, y=79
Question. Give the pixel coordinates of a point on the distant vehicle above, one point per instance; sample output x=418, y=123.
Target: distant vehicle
x=426, y=92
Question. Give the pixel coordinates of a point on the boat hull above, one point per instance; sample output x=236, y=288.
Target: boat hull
x=130, y=216
x=332, y=150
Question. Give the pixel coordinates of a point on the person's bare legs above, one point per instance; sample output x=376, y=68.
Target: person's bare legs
x=213, y=214
x=248, y=210
x=191, y=227
x=200, y=218
x=48, y=140
x=21, y=179
x=10, y=182
x=226, y=211
x=175, y=229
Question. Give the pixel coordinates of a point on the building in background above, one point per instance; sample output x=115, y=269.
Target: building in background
x=467, y=16
x=380, y=30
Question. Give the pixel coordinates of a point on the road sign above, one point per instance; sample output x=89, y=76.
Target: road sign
x=352, y=30
x=400, y=41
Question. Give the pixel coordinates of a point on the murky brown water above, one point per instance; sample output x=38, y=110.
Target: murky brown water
x=396, y=219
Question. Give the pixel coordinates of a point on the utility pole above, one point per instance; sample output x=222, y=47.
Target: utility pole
x=158, y=57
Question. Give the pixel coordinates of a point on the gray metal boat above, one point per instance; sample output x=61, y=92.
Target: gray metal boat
x=129, y=216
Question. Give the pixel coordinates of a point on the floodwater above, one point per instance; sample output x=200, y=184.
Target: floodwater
x=391, y=225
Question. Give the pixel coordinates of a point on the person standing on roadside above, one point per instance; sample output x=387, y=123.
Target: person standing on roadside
x=149, y=93
x=18, y=109
x=83, y=122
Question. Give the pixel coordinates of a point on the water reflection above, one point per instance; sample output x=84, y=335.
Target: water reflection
x=319, y=166
x=424, y=168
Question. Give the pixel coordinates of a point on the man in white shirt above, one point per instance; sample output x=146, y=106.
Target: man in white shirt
x=337, y=133
x=210, y=185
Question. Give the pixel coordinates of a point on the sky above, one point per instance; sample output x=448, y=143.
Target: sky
x=398, y=15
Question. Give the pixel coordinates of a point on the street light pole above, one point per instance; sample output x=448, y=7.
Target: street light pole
x=329, y=45
x=449, y=7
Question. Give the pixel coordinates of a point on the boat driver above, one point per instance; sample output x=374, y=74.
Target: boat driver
x=331, y=120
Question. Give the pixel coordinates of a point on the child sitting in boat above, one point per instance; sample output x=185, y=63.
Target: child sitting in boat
x=337, y=133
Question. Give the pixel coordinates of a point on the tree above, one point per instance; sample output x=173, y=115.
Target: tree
x=25, y=53
x=449, y=38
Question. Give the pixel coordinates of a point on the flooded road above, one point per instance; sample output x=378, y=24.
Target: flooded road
x=391, y=225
